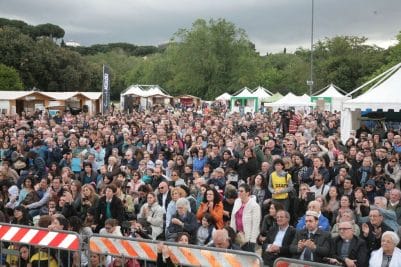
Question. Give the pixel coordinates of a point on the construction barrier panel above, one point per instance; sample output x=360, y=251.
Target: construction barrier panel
x=188, y=255
x=52, y=247
x=287, y=262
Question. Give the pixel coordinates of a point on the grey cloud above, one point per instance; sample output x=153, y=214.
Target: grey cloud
x=270, y=24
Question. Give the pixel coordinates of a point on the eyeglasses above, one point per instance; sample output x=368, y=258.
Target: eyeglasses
x=394, y=161
x=174, y=175
x=344, y=229
x=161, y=187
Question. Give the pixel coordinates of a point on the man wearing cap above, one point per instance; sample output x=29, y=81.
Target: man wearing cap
x=311, y=243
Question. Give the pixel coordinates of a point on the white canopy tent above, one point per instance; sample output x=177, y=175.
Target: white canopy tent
x=333, y=99
x=224, y=97
x=147, y=94
x=291, y=100
x=262, y=93
x=244, y=92
x=244, y=100
x=385, y=95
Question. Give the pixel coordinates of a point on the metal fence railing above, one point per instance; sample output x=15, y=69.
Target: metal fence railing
x=20, y=245
x=144, y=252
x=287, y=262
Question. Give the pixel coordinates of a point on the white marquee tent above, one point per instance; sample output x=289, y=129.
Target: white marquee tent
x=291, y=100
x=262, y=93
x=385, y=95
x=147, y=94
x=224, y=97
x=244, y=99
x=332, y=97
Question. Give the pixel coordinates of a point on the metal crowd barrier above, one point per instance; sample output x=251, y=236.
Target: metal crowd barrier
x=45, y=248
x=145, y=251
x=287, y=262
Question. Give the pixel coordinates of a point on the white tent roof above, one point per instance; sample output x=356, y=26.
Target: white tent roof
x=385, y=95
x=332, y=92
x=261, y=92
x=224, y=97
x=245, y=92
x=291, y=100
x=145, y=91
x=133, y=90
x=154, y=91
x=306, y=97
x=92, y=95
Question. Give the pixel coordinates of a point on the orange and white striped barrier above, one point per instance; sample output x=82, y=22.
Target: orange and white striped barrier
x=188, y=256
x=39, y=237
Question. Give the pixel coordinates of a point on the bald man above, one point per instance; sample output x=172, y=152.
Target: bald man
x=221, y=239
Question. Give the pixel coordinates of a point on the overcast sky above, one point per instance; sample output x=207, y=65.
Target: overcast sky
x=270, y=24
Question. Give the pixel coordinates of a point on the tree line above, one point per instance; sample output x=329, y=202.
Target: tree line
x=206, y=60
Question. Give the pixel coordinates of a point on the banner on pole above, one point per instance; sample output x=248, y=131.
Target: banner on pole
x=106, y=89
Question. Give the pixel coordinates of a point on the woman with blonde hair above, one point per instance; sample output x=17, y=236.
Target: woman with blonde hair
x=89, y=199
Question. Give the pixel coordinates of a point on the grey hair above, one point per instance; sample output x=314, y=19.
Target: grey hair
x=394, y=237
x=382, y=199
x=182, y=202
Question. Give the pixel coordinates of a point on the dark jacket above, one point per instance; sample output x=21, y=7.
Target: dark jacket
x=289, y=235
x=190, y=226
x=84, y=178
x=321, y=239
x=160, y=200
x=372, y=242
x=116, y=208
x=357, y=251
x=247, y=169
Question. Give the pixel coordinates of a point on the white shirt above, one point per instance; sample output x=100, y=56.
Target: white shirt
x=322, y=191
x=164, y=198
x=278, y=241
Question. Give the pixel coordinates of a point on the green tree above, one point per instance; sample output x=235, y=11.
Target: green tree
x=345, y=61
x=9, y=78
x=211, y=58
x=49, y=30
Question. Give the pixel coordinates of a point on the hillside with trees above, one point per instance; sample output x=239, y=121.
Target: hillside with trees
x=206, y=60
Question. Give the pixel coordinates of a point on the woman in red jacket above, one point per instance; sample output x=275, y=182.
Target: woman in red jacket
x=212, y=204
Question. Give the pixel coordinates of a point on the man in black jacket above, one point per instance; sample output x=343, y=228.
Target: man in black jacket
x=311, y=243
x=348, y=249
x=278, y=239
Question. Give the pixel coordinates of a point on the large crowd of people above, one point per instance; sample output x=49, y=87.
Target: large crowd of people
x=281, y=184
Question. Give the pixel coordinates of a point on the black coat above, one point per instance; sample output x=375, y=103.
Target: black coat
x=372, y=242
x=289, y=235
x=321, y=239
x=160, y=200
x=190, y=226
x=357, y=251
x=116, y=208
